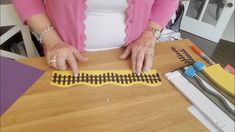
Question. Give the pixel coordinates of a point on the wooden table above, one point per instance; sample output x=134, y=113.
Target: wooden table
x=46, y=108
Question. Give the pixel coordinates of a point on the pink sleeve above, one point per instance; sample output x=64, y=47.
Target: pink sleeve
x=163, y=10
x=28, y=8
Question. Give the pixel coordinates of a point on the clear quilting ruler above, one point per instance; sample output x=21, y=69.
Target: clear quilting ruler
x=207, y=108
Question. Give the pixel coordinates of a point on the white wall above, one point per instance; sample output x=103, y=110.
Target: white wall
x=229, y=31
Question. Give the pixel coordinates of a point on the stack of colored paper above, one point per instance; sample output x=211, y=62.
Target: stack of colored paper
x=221, y=78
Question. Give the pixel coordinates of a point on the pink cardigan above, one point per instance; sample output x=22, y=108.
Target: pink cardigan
x=67, y=16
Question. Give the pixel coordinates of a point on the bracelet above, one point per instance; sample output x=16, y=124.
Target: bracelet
x=44, y=32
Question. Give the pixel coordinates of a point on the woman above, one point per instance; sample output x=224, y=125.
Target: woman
x=66, y=28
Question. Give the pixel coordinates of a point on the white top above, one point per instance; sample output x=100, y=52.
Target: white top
x=105, y=24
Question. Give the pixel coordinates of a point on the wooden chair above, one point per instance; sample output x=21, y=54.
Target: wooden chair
x=9, y=17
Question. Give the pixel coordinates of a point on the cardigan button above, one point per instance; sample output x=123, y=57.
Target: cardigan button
x=131, y=21
x=133, y=2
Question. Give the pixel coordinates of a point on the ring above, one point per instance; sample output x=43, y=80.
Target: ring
x=51, y=61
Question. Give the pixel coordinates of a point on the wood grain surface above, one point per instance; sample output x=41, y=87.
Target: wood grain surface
x=47, y=108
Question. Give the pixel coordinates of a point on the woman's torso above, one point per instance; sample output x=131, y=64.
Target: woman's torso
x=105, y=24
x=68, y=19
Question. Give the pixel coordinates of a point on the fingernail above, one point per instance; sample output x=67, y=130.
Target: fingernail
x=148, y=69
x=145, y=70
x=134, y=71
x=75, y=74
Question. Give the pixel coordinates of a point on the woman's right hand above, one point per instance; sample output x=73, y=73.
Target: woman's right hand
x=61, y=55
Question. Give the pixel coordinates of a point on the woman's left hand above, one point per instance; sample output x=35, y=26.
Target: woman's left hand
x=142, y=52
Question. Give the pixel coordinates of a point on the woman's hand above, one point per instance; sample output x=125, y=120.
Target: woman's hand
x=61, y=55
x=142, y=52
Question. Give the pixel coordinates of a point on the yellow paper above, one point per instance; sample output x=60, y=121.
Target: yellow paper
x=222, y=78
x=95, y=78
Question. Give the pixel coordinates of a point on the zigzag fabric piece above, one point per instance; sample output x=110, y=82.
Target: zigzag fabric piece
x=95, y=78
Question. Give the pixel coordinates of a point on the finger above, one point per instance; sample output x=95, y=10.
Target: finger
x=133, y=59
x=53, y=64
x=148, y=61
x=126, y=53
x=61, y=63
x=73, y=65
x=79, y=56
x=140, y=61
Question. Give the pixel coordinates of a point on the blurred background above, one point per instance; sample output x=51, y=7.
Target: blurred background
x=207, y=23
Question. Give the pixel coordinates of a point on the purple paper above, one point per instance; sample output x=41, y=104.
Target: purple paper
x=16, y=78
